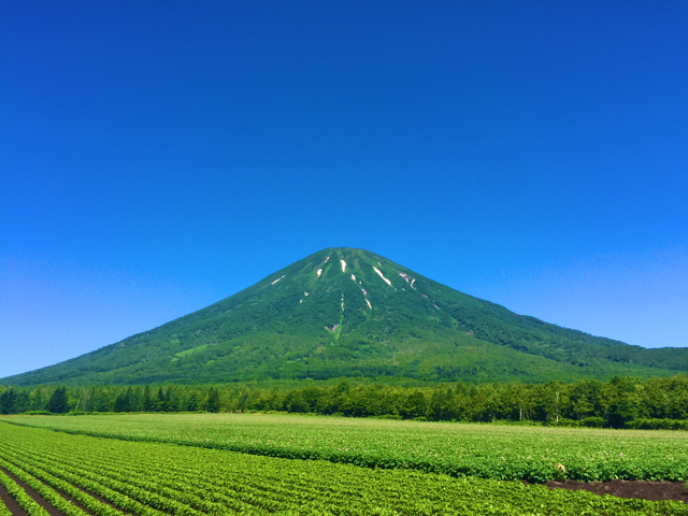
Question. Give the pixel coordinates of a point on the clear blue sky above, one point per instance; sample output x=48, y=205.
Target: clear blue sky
x=158, y=156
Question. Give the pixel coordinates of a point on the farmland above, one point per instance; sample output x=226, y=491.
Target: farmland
x=488, y=451
x=112, y=477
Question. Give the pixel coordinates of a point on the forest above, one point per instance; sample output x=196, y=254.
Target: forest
x=622, y=402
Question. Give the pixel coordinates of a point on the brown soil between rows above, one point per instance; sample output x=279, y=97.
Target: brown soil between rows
x=16, y=510
x=642, y=489
x=10, y=503
x=33, y=494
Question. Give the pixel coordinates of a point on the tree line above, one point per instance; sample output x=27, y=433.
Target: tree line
x=625, y=402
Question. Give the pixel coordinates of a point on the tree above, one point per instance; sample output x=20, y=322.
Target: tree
x=84, y=399
x=123, y=402
x=523, y=400
x=171, y=404
x=37, y=400
x=441, y=407
x=148, y=402
x=243, y=400
x=212, y=403
x=22, y=402
x=161, y=401
x=414, y=405
x=58, y=403
x=342, y=387
x=192, y=405
x=297, y=403
x=7, y=402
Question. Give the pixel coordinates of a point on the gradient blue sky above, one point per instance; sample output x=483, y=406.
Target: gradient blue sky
x=156, y=157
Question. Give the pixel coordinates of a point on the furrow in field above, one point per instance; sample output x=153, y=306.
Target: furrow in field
x=155, y=482
x=231, y=492
x=353, y=503
x=146, y=497
x=4, y=511
x=27, y=503
x=122, y=501
x=44, y=491
x=271, y=484
x=401, y=492
x=206, y=463
x=213, y=477
x=87, y=501
x=411, y=501
x=10, y=505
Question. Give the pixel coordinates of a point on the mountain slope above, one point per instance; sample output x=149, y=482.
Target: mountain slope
x=349, y=312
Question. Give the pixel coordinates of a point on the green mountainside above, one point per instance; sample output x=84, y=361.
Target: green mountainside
x=345, y=312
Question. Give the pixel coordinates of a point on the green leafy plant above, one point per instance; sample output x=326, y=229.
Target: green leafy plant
x=152, y=479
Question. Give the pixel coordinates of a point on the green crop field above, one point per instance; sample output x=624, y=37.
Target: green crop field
x=487, y=451
x=111, y=477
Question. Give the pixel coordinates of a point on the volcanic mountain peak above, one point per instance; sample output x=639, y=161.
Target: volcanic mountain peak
x=350, y=312
x=354, y=273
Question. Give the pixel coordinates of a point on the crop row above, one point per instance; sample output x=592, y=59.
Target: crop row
x=153, y=479
x=4, y=511
x=485, y=451
x=24, y=500
x=43, y=484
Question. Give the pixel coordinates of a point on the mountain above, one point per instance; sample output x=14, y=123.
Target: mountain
x=345, y=312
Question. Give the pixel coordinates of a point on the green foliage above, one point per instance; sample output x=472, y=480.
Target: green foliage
x=152, y=479
x=4, y=511
x=47, y=493
x=619, y=403
x=212, y=402
x=414, y=328
x=58, y=403
x=21, y=497
x=124, y=402
x=8, y=402
x=491, y=451
x=658, y=424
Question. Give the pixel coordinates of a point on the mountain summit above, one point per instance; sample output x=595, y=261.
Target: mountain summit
x=345, y=312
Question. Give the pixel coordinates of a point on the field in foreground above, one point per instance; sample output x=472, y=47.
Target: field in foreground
x=112, y=477
x=535, y=454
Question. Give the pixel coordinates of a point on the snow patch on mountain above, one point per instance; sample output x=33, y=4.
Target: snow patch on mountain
x=383, y=277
